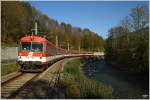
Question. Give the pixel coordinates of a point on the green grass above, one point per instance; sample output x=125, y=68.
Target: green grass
x=8, y=68
x=79, y=86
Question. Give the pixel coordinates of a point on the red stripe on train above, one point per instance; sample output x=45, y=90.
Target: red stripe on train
x=36, y=54
x=45, y=54
x=40, y=54
x=23, y=53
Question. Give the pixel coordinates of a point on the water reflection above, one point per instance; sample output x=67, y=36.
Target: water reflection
x=125, y=84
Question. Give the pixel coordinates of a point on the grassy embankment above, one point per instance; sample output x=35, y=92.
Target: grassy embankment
x=8, y=68
x=77, y=85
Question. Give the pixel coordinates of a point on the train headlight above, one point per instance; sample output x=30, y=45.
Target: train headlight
x=19, y=57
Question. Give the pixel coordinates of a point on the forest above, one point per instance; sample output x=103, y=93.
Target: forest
x=127, y=43
x=127, y=46
x=18, y=20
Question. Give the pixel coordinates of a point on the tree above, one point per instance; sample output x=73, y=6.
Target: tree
x=126, y=24
x=127, y=48
x=18, y=20
x=16, y=16
x=139, y=17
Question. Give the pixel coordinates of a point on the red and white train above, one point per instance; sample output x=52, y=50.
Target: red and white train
x=36, y=53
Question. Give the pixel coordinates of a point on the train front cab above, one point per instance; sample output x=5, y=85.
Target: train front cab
x=32, y=56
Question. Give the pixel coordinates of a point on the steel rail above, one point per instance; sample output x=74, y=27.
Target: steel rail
x=12, y=87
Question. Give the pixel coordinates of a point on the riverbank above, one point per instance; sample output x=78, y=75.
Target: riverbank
x=77, y=85
x=126, y=85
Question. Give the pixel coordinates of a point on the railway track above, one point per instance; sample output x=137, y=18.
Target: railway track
x=44, y=86
x=15, y=84
x=52, y=73
x=21, y=85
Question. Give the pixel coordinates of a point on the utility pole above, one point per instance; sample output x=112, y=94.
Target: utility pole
x=68, y=46
x=35, y=28
x=32, y=33
x=79, y=48
x=56, y=40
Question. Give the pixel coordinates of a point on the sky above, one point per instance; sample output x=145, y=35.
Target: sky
x=98, y=16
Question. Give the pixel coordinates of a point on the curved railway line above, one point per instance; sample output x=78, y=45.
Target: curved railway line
x=15, y=84
x=20, y=85
x=50, y=76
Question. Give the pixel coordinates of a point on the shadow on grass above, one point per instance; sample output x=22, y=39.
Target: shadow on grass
x=42, y=89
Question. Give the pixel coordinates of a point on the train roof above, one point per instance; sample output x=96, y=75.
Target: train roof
x=33, y=39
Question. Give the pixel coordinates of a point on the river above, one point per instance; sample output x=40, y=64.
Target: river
x=126, y=85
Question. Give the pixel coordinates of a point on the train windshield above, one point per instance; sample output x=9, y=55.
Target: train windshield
x=37, y=47
x=32, y=46
x=26, y=46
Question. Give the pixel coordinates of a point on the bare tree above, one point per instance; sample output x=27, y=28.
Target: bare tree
x=126, y=24
x=139, y=17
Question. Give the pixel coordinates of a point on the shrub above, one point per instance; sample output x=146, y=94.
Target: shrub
x=79, y=86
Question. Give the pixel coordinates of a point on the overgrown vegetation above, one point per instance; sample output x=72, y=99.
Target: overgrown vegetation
x=128, y=44
x=8, y=68
x=18, y=19
x=4, y=45
x=79, y=86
